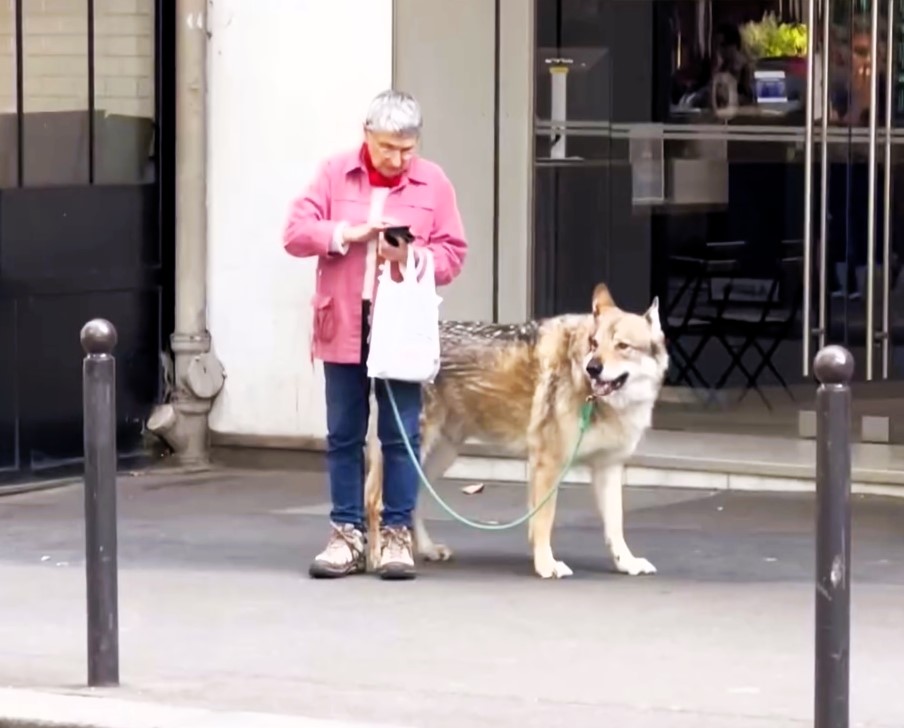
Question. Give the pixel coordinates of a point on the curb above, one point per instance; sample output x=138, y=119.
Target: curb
x=35, y=709
x=715, y=476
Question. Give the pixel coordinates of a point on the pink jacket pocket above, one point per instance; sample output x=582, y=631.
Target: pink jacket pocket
x=324, y=317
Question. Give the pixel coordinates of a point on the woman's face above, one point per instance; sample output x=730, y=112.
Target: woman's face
x=390, y=153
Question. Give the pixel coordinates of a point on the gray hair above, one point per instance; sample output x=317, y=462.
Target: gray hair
x=394, y=112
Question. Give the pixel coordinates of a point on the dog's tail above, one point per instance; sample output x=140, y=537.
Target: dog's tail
x=373, y=485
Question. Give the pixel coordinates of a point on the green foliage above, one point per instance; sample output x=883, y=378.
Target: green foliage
x=769, y=38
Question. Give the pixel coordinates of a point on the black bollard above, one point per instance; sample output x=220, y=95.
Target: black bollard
x=834, y=368
x=99, y=391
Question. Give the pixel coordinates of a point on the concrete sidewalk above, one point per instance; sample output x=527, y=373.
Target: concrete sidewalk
x=33, y=709
x=216, y=612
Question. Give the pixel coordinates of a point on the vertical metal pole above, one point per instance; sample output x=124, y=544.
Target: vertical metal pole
x=808, y=190
x=886, y=188
x=824, y=173
x=20, y=93
x=92, y=132
x=98, y=339
x=191, y=338
x=834, y=368
x=871, y=193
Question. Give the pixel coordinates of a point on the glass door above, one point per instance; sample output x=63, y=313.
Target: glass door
x=852, y=292
x=737, y=159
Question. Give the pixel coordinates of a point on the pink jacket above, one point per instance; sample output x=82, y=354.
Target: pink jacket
x=341, y=192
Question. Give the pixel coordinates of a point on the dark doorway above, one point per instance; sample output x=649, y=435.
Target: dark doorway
x=85, y=220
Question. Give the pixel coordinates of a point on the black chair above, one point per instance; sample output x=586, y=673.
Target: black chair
x=693, y=311
x=761, y=320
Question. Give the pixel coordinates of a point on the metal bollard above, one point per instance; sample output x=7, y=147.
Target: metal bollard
x=834, y=368
x=98, y=338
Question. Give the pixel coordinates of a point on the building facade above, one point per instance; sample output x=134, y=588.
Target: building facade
x=657, y=145
x=661, y=146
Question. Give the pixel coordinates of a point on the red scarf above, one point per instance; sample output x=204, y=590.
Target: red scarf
x=377, y=179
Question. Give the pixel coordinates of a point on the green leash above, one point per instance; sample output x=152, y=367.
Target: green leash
x=586, y=412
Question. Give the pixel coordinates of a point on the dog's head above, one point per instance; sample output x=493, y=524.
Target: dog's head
x=626, y=357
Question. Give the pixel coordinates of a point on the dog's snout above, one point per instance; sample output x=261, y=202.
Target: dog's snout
x=594, y=367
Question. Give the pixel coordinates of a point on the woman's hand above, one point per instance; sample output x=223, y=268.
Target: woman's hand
x=364, y=232
x=392, y=253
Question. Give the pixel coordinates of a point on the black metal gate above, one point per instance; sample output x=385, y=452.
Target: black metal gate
x=86, y=221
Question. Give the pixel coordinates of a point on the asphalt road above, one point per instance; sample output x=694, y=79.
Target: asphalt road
x=216, y=610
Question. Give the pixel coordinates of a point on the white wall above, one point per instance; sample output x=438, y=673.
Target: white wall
x=516, y=112
x=289, y=83
x=282, y=95
x=444, y=55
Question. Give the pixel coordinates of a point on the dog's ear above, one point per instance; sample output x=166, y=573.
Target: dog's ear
x=652, y=316
x=602, y=299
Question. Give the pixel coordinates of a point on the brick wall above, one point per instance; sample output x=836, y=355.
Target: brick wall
x=56, y=50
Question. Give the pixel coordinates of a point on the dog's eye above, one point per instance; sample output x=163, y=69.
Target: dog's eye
x=592, y=344
x=622, y=346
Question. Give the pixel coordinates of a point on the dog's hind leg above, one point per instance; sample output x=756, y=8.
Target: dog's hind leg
x=439, y=453
x=607, y=487
x=373, y=489
x=544, y=473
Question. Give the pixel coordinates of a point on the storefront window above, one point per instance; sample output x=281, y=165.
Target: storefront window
x=672, y=143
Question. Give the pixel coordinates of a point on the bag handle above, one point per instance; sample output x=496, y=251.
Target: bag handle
x=417, y=262
x=428, y=267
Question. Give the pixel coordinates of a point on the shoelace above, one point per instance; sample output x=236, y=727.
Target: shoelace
x=343, y=537
x=396, y=541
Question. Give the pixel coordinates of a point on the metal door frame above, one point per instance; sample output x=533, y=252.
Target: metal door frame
x=819, y=331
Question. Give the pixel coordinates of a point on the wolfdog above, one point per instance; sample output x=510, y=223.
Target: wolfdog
x=523, y=387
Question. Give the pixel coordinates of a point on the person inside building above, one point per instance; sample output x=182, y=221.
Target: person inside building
x=339, y=219
x=721, y=81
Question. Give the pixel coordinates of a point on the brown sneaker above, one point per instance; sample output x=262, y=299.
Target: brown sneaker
x=344, y=554
x=396, y=555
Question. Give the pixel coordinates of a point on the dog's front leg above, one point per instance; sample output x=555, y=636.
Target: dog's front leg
x=439, y=452
x=425, y=545
x=543, y=475
x=607, y=487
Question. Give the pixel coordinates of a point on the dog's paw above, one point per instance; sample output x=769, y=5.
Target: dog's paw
x=634, y=566
x=553, y=570
x=436, y=552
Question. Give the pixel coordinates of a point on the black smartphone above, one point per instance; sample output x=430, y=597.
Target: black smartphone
x=398, y=234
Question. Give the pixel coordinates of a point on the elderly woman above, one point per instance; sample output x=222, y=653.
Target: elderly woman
x=339, y=220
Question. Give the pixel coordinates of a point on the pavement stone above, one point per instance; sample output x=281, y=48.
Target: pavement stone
x=217, y=615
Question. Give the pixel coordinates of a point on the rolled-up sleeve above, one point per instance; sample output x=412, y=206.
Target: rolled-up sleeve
x=447, y=239
x=309, y=230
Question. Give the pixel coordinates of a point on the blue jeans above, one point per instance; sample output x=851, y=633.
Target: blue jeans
x=347, y=412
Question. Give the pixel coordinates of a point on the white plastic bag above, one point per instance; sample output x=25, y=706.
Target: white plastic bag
x=404, y=332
